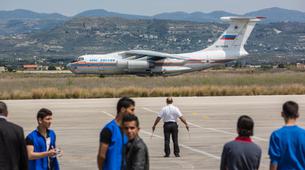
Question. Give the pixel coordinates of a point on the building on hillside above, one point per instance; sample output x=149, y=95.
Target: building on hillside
x=2, y=69
x=300, y=66
x=42, y=68
x=30, y=67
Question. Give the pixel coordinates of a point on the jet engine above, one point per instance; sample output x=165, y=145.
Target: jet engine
x=134, y=65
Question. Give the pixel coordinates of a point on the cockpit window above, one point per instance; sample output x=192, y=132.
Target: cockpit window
x=80, y=59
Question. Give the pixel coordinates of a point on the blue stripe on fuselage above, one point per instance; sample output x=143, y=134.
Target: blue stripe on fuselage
x=94, y=64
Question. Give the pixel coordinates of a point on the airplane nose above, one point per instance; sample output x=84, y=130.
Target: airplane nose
x=69, y=66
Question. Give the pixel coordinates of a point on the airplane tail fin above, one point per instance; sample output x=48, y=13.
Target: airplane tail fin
x=236, y=35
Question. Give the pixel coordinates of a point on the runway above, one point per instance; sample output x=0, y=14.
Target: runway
x=212, y=120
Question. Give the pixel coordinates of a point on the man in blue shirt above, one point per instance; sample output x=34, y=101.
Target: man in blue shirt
x=111, y=150
x=41, y=144
x=287, y=144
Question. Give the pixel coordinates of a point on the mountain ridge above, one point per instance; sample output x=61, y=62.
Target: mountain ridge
x=273, y=14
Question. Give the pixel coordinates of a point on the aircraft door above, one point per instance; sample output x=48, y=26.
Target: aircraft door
x=100, y=66
x=208, y=60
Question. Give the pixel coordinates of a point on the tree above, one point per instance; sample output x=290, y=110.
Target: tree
x=51, y=67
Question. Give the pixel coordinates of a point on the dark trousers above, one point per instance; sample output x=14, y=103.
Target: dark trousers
x=170, y=128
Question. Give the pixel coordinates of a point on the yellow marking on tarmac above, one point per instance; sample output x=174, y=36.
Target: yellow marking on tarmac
x=205, y=117
x=194, y=113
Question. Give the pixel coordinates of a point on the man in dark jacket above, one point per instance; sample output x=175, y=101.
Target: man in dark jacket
x=13, y=155
x=136, y=152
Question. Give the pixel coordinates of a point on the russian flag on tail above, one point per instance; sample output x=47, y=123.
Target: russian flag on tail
x=228, y=37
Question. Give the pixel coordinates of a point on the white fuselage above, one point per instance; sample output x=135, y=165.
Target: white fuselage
x=228, y=47
x=114, y=63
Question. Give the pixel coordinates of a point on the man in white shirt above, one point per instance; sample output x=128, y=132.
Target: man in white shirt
x=169, y=114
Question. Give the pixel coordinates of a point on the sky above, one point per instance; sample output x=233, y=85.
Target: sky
x=149, y=7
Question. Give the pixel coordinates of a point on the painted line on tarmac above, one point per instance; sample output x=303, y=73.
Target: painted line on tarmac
x=212, y=129
x=182, y=145
x=185, y=146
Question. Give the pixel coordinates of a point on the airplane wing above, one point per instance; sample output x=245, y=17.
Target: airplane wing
x=148, y=55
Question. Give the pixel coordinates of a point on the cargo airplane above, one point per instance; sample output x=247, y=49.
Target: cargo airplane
x=228, y=47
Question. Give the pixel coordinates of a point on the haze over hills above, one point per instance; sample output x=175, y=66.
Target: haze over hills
x=21, y=14
x=25, y=35
x=273, y=15
x=195, y=16
x=104, y=13
x=279, y=15
x=269, y=43
x=25, y=21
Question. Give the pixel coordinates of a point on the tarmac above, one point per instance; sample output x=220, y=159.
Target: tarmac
x=77, y=123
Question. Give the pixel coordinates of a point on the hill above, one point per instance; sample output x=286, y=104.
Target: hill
x=269, y=42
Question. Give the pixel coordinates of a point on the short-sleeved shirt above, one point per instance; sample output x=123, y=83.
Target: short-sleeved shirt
x=112, y=135
x=170, y=113
x=41, y=144
x=105, y=136
x=29, y=141
x=287, y=148
x=241, y=153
